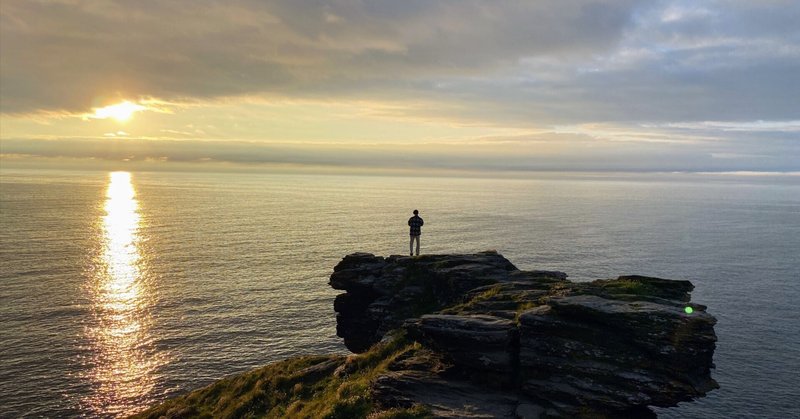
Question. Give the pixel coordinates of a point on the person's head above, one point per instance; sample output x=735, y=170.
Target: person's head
x=416, y=212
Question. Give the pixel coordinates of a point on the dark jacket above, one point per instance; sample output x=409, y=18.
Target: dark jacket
x=415, y=223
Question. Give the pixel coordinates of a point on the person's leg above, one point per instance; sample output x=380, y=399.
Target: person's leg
x=417, y=245
x=411, y=246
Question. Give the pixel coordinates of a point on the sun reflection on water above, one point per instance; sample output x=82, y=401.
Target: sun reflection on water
x=123, y=362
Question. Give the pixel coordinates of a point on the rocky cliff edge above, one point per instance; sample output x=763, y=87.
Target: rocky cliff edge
x=495, y=341
x=471, y=336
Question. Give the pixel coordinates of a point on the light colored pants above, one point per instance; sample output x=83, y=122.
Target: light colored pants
x=411, y=245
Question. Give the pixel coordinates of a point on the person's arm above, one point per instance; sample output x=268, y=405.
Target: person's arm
x=409, y=221
x=421, y=223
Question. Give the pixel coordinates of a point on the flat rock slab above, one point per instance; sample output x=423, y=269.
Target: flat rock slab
x=449, y=398
x=478, y=342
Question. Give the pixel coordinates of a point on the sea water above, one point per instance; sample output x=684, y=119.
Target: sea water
x=119, y=290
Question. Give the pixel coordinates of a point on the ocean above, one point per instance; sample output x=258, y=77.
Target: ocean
x=119, y=290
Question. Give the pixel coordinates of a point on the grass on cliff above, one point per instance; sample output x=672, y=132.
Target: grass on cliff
x=517, y=303
x=472, y=302
x=626, y=287
x=301, y=387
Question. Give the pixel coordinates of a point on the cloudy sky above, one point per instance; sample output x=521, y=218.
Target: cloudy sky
x=462, y=84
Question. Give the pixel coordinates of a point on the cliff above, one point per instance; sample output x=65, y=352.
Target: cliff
x=464, y=336
x=527, y=341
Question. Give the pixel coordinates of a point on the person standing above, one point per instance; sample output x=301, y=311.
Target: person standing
x=415, y=223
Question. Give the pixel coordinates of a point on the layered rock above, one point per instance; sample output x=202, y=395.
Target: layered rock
x=382, y=292
x=613, y=354
x=500, y=342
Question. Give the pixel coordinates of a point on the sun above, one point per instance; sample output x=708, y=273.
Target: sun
x=120, y=111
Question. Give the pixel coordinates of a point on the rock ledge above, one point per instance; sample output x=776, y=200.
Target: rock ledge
x=499, y=342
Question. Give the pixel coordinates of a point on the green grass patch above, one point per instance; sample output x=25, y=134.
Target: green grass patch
x=523, y=307
x=415, y=412
x=466, y=306
x=302, y=387
x=623, y=286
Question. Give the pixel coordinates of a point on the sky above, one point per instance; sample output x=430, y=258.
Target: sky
x=620, y=85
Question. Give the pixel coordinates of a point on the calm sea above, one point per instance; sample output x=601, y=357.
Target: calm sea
x=119, y=290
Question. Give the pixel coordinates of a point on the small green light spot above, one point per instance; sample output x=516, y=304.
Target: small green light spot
x=688, y=310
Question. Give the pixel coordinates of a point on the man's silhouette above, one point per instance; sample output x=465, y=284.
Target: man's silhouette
x=415, y=223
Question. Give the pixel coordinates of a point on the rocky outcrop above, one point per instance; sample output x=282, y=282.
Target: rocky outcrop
x=499, y=342
x=610, y=354
x=382, y=292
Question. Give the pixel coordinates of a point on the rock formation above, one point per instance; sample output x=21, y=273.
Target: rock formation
x=499, y=342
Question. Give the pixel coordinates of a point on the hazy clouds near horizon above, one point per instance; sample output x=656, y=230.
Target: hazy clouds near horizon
x=530, y=154
x=620, y=84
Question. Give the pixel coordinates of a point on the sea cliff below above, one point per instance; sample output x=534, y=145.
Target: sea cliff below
x=472, y=336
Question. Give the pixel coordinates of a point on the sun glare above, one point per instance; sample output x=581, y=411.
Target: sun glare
x=122, y=365
x=120, y=111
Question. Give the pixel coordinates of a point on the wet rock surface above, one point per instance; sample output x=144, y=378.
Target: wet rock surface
x=499, y=342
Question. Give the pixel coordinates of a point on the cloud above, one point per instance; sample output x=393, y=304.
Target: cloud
x=755, y=126
x=728, y=61
x=73, y=55
x=116, y=134
x=591, y=84
x=581, y=148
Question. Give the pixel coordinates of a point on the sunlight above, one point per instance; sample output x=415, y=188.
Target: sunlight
x=120, y=111
x=122, y=368
x=121, y=223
